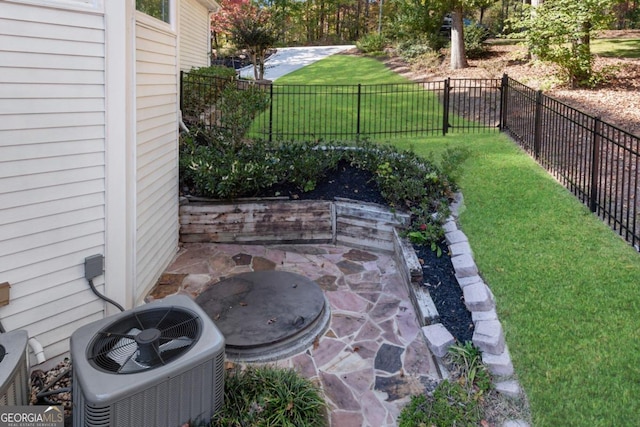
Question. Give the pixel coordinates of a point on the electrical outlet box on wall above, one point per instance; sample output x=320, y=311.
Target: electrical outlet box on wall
x=4, y=293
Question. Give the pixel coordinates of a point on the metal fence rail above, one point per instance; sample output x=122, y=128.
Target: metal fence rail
x=598, y=162
x=301, y=112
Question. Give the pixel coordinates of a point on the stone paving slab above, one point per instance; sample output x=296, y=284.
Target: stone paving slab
x=373, y=356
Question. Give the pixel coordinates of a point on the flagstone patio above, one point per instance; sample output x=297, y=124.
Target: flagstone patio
x=372, y=357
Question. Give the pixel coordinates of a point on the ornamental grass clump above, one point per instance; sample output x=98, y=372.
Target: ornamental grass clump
x=269, y=396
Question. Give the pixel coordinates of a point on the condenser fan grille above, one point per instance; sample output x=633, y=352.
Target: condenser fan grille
x=144, y=340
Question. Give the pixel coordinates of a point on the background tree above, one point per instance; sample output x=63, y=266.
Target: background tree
x=250, y=27
x=458, y=9
x=560, y=31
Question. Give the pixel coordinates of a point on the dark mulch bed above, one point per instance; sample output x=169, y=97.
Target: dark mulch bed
x=439, y=277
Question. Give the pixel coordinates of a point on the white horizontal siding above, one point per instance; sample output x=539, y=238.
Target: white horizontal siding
x=195, y=44
x=156, y=154
x=52, y=167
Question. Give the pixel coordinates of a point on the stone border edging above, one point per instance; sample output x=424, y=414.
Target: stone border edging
x=488, y=334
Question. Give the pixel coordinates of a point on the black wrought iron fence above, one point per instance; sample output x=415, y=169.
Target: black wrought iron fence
x=598, y=162
x=347, y=111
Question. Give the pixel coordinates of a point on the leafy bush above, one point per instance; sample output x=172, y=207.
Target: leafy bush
x=474, y=38
x=238, y=107
x=267, y=396
x=371, y=43
x=414, y=48
x=212, y=166
x=201, y=88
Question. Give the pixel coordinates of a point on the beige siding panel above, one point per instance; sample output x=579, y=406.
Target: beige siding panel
x=155, y=69
x=57, y=163
x=48, y=259
x=59, y=309
x=45, y=136
x=194, y=35
x=51, y=31
x=38, y=228
x=154, y=57
x=55, y=148
x=156, y=155
x=156, y=101
x=52, y=168
x=57, y=296
x=28, y=60
x=42, y=121
x=52, y=47
x=27, y=106
x=62, y=17
x=54, y=207
x=47, y=91
x=24, y=190
x=43, y=75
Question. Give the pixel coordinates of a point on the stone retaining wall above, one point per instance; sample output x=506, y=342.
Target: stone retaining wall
x=366, y=226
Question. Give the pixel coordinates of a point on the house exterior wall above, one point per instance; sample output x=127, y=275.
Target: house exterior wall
x=88, y=159
x=52, y=165
x=156, y=151
x=195, y=35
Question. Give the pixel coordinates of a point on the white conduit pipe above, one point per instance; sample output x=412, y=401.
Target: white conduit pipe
x=37, y=349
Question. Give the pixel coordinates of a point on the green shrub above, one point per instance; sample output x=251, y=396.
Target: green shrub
x=412, y=49
x=212, y=165
x=238, y=107
x=267, y=396
x=371, y=43
x=201, y=88
x=474, y=38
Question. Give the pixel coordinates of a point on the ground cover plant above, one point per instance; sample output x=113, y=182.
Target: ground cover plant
x=456, y=401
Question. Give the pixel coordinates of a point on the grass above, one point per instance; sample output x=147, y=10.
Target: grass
x=303, y=102
x=616, y=48
x=566, y=285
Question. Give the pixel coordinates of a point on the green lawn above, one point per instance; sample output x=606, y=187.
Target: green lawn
x=327, y=105
x=567, y=287
x=616, y=48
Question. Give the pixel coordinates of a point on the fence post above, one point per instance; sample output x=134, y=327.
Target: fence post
x=358, y=110
x=445, y=106
x=595, y=164
x=537, y=131
x=504, y=86
x=270, y=112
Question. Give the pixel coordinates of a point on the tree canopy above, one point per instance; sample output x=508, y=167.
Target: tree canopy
x=560, y=31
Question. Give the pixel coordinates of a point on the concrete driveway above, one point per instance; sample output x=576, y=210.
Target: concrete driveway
x=288, y=59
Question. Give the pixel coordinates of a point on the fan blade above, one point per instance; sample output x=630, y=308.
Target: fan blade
x=126, y=347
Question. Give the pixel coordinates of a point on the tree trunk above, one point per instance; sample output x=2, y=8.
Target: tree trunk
x=458, y=54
